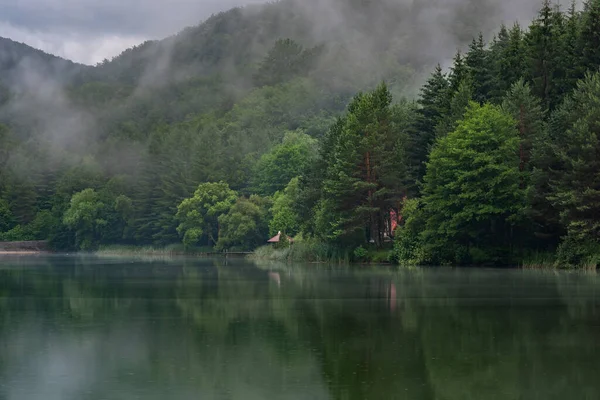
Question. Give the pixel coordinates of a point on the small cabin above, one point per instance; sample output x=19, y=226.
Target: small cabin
x=277, y=238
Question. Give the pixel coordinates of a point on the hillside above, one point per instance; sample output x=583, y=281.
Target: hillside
x=256, y=96
x=16, y=58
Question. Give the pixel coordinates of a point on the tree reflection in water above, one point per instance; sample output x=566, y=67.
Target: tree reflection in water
x=95, y=328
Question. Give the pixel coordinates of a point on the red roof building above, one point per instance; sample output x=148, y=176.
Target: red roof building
x=277, y=238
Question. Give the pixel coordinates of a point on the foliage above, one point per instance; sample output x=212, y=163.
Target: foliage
x=125, y=152
x=275, y=169
x=84, y=217
x=575, y=192
x=285, y=216
x=360, y=254
x=472, y=197
x=198, y=216
x=407, y=237
x=6, y=218
x=246, y=225
x=366, y=171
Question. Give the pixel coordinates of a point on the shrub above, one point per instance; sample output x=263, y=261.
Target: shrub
x=578, y=252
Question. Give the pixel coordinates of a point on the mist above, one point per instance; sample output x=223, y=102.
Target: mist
x=376, y=38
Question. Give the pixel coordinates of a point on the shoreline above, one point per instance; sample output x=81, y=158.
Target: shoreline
x=22, y=252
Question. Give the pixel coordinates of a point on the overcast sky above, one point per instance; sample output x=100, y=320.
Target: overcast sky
x=88, y=31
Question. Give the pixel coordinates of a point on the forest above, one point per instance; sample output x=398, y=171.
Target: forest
x=212, y=143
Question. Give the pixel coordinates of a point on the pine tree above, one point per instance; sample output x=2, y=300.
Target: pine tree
x=480, y=69
x=458, y=106
x=571, y=59
x=590, y=36
x=544, y=54
x=510, y=62
x=497, y=52
x=363, y=180
x=434, y=103
x=576, y=191
x=458, y=73
x=525, y=108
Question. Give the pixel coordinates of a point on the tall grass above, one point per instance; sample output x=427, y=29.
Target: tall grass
x=539, y=260
x=315, y=251
x=309, y=250
x=170, y=250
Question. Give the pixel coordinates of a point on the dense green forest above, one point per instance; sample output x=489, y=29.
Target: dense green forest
x=251, y=124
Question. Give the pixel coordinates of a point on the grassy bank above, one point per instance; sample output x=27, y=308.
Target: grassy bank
x=314, y=251
x=557, y=261
x=171, y=250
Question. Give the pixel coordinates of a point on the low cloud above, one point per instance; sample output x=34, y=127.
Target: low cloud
x=89, y=31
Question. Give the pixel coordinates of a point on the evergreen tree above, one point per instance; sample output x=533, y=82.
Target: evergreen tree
x=458, y=73
x=480, y=70
x=576, y=191
x=510, y=62
x=434, y=103
x=363, y=180
x=590, y=36
x=571, y=60
x=458, y=106
x=544, y=42
x=527, y=111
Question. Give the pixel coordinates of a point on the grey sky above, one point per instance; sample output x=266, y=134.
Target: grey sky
x=90, y=30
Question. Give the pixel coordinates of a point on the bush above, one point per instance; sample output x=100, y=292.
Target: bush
x=360, y=254
x=578, y=252
x=408, y=249
x=303, y=250
x=19, y=233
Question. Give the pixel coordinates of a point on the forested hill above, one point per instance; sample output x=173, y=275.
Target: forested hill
x=364, y=36
x=15, y=56
x=258, y=108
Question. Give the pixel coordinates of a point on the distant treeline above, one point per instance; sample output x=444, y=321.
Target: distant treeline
x=497, y=162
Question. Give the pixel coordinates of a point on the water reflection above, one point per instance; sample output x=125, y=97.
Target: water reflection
x=90, y=328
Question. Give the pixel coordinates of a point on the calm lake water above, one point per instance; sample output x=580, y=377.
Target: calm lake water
x=103, y=328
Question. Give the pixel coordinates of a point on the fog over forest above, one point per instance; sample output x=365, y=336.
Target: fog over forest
x=260, y=107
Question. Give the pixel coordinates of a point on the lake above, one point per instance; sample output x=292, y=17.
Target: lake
x=83, y=328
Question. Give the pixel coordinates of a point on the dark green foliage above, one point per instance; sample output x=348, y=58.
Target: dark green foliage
x=527, y=111
x=284, y=61
x=589, y=38
x=434, y=103
x=479, y=63
x=408, y=246
x=458, y=73
x=510, y=62
x=576, y=192
x=472, y=197
x=458, y=106
x=7, y=221
x=246, y=226
x=545, y=50
x=365, y=172
x=106, y=154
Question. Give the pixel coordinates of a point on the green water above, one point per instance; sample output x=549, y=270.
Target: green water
x=99, y=328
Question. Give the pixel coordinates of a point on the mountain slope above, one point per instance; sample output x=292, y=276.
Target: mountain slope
x=17, y=58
